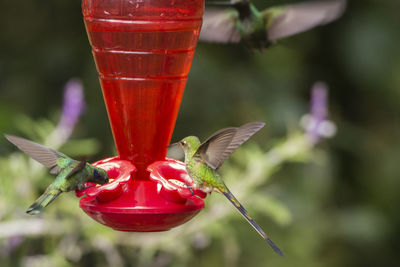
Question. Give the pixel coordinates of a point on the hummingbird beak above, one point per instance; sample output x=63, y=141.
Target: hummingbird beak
x=171, y=145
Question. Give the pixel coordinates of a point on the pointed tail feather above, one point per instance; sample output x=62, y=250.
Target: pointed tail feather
x=43, y=201
x=243, y=211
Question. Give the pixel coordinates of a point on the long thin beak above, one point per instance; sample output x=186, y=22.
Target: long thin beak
x=171, y=145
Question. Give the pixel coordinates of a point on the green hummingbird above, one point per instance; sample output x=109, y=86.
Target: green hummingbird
x=203, y=159
x=239, y=20
x=71, y=174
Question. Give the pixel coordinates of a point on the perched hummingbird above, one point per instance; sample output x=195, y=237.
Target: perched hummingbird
x=203, y=159
x=239, y=20
x=71, y=174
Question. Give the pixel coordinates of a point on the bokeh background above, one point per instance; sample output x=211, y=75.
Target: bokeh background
x=335, y=204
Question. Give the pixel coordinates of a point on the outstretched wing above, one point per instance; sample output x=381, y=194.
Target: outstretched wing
x=292, y=19
x=219, y=25
x=44, y=155
x=218, y=147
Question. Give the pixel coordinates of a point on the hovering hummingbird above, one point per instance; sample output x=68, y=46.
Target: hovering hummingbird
x=239, y=20
x=203, y=159
x=71, y=174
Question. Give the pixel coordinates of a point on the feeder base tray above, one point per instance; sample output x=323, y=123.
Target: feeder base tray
x=141, y=209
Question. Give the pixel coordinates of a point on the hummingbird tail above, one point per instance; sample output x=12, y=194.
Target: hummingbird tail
x=42, y=202
x=244, y=213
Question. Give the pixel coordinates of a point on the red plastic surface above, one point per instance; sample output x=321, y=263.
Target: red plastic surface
x=140, y=205
x=174, y=183
x=143, y=51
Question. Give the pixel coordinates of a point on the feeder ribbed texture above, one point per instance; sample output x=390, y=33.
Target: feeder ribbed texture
x=143, y=51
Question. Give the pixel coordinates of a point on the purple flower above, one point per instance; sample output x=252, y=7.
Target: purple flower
x=316, y=123
x=73, y=107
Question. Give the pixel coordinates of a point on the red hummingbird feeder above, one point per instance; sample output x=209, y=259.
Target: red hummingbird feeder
x=143, y=50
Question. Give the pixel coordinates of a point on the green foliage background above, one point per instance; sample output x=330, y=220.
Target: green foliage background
x=334, y=205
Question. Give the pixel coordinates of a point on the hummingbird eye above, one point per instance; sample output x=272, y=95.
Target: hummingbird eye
x=183, y=143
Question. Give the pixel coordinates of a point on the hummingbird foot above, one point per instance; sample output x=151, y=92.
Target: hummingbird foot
x=190, y=188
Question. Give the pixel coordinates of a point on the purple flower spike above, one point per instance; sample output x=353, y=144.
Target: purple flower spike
x=73, y=107
x=316, y=123
x=319, y=95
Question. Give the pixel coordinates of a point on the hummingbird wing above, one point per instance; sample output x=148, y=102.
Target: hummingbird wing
x=292, y=19
x=44, y=155
x=55, y=170
x=79, y=166
x=219, y=25
x=218, y=147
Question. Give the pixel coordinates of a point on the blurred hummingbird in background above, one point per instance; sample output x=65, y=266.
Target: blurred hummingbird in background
x=71, y=174
x=239, y=20
x=203, y=159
